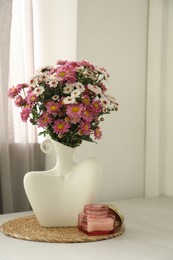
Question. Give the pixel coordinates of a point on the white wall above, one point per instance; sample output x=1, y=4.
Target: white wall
x=113, y=34
x=54, y=23
x=159, y=130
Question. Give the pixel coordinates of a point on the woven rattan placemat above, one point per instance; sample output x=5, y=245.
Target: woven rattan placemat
x=28, y=228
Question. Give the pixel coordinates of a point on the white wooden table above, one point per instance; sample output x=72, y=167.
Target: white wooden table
x=148, y=235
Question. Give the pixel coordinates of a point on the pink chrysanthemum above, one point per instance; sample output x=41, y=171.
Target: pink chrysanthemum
x=61, y=74
x=96, y=106
x=31, y=98
x=53, y=107
x=61, y=127
x=13, y=92
x=85, y=128
x=75, y=120
x=66, y=73
x=44, y=120
x=21, y=86
x=87, y=115
x=61, y=62
x=30, y=89
x=19, y=101
x=86, y=100
x=86, y=64
x=98, y=133
x=74, y=110
x=25, y=114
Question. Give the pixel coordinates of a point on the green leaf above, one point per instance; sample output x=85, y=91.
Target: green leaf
x=87, y=138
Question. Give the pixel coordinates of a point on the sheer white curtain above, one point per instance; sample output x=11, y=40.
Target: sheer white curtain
x=19, y=150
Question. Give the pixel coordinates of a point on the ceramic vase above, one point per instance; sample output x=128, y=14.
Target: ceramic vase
x=58, y=195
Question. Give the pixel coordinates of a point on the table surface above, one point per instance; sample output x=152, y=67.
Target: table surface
x=148, y=235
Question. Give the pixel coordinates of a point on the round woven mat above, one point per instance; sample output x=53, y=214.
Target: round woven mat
x=28, y=228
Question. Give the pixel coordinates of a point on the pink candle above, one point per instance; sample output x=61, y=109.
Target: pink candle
x=96, y=220
x=100, y=224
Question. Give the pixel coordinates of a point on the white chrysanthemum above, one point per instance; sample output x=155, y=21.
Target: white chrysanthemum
x=33, y=81
x=111, y=99
x=37, y=77
x=105, y=102
x=104, y=109
x=55, y=97
x=52, y=76
x=39, y=90
x=68, y=88
x=103, y=71
x=43, y=68
x=80, y=86
x=94, y=89
x=53, y=83
x=69, y=100
x=91, y=75
x=43, y=77
x=75, y=93
x=113, y=102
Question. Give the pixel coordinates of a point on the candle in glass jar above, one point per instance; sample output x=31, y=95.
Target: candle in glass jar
x=96, y=220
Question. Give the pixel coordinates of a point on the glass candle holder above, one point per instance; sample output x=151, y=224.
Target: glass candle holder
x=96, y=220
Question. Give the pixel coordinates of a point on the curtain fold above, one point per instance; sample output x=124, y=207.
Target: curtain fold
x=19, y=150
x=5, y=181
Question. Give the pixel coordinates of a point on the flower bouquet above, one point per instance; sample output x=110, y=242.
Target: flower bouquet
x=67, y=101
